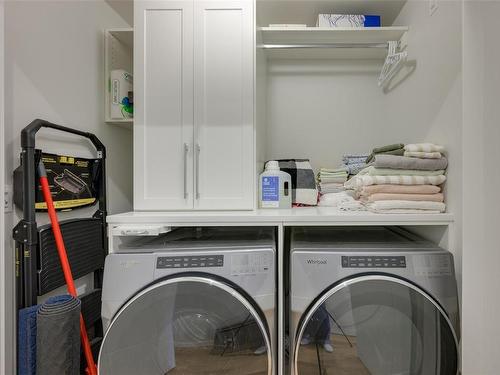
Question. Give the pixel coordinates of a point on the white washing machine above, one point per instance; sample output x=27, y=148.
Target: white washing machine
x=371, y=301
x=193, y=301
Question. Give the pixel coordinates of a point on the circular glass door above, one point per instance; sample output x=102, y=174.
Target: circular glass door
x=375, y=325
x=187, y=325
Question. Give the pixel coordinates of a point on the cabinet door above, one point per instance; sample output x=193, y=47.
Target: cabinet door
x=224, y=109
x=163, y=123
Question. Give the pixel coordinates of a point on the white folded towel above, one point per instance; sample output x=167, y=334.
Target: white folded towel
x=423, y=155
x=424, y=147
x=407, y=205
x=334, y=199
x=343, y=201
x=358, y=181
x=404, y=211
x=352, y=206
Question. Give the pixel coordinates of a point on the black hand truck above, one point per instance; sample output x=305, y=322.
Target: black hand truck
x=38, y=270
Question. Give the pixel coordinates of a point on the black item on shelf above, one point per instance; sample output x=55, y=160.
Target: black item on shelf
x=74, y=182
x=38, y=269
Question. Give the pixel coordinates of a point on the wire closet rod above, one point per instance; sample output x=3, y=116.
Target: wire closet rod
x=324, y=45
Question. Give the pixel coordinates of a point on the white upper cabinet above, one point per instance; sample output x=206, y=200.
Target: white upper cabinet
x=163, y=128
x=194, y=82
x=224, y=80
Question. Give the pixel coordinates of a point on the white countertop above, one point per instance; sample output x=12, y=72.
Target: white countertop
x=294, y=216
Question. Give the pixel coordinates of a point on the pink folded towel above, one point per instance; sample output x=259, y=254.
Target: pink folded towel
x=400, y=189
x=438, y=197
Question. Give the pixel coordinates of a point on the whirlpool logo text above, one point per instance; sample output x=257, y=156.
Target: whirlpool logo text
x=316, y=261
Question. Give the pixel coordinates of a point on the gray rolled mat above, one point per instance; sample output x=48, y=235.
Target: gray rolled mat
x=58, y=336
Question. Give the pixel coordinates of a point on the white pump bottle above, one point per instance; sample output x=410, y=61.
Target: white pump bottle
x=275, y=187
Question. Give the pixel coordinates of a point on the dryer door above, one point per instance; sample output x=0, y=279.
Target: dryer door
x=375, y=325
x=187, y=325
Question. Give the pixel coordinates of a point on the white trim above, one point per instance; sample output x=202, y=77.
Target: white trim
x=286, y=217
x=3, y=343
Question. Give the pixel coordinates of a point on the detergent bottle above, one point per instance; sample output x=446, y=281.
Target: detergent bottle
x=275, y=187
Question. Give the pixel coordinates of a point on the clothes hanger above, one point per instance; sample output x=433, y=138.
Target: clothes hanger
x=392, y=64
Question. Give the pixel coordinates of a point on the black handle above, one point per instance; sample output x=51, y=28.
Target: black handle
x=28, y=134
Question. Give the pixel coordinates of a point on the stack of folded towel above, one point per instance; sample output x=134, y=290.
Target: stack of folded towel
x=403, y=184
x=342, y=200
x=354, y=163
x=331, y=180
x=394, y=149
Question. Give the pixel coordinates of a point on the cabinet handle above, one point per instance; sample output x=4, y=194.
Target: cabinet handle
x=132, y=232
x=186, y=150
x=198, y=150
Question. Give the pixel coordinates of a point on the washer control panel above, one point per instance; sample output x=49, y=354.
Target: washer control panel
x=373, y=261
x=190, y=261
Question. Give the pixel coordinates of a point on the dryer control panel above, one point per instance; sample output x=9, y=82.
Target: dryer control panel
x=373, y=261
x=190, y=261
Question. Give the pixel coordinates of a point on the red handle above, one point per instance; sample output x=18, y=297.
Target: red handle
x=68, y=276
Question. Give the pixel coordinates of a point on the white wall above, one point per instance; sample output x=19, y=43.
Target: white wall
x=481, y=183
x=428, y=104
x=55, y=71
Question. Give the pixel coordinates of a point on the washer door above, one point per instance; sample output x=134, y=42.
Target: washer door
x=187, y=325
x=375, y=325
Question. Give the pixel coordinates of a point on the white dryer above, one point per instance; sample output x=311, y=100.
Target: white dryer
x=385, y=300
x=193, y=301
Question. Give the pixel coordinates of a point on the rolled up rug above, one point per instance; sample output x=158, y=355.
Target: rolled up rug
x=58, y=336
x=26, y=341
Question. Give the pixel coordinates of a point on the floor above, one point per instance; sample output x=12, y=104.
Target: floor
x=343, y=361
x=197, y=361
x=202, y=361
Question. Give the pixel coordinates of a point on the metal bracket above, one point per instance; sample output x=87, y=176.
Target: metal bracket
x=25, y=233
x=99, y=214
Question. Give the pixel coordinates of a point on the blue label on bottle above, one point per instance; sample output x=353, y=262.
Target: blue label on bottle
x=271, y=189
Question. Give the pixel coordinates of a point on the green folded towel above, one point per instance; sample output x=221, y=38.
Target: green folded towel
x=384, y=149
x=394, y=149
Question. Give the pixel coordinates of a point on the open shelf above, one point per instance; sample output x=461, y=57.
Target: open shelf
x=119, y=52
x=287, y=217
x=316, y=42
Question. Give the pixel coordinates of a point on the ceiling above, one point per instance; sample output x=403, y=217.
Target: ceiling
x=125, y=8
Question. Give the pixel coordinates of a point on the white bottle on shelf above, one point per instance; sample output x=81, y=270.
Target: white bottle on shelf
x=275, y=187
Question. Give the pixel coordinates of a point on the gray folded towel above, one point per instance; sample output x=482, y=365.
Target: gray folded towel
x=403, y=162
